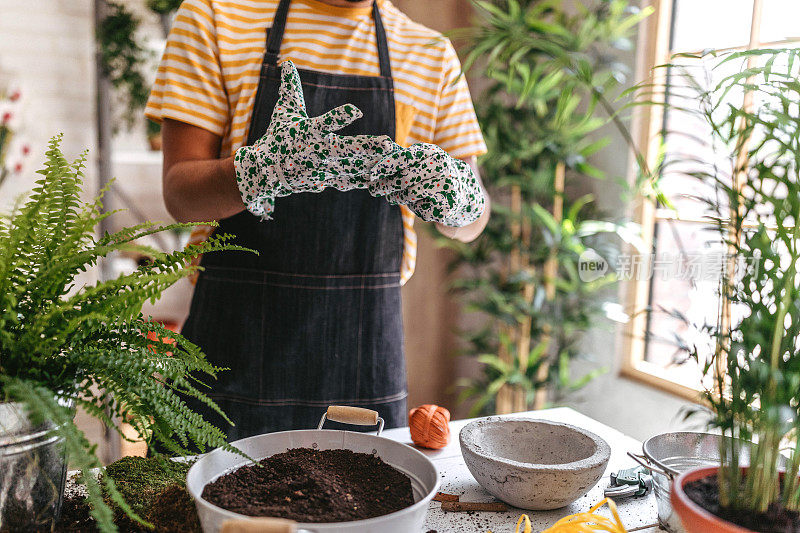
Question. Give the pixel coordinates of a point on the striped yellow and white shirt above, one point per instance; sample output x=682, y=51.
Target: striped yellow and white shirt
x=209, y=72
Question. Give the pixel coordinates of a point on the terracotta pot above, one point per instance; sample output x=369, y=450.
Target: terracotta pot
x=696, y=519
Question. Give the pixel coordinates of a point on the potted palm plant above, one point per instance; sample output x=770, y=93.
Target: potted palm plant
x=67, y=345
x=753, y=118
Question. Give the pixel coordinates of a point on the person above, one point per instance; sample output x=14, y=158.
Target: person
x=315, y=318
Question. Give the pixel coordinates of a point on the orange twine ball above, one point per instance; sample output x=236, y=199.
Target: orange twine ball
x=430, y=426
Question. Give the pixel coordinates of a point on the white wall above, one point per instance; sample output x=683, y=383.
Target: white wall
x=46, y=47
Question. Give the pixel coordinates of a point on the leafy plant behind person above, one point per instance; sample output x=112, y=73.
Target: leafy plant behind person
x=551, y=81
x=163, y=7
x=63, y=345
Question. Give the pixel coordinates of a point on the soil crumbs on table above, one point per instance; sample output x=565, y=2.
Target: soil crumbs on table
x=705, y=493
x=309, y=485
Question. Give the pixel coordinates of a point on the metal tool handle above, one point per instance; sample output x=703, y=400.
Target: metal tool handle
x=259, y=525
x=642, y=460
x=623, y=491
x=357, y=416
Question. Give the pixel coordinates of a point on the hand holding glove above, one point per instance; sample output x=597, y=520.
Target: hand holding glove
x=434, y=185
x=302, y=154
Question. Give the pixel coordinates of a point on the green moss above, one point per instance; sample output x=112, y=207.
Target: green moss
x=141, y=479
x=154, y=487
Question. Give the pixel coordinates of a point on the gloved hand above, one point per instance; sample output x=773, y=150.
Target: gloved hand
x=434, y=185
x=302, y=154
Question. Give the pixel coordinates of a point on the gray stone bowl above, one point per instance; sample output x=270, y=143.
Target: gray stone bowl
x=533, y=464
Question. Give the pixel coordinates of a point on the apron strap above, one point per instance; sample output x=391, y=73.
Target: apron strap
x=383, y=45
x=275, y=37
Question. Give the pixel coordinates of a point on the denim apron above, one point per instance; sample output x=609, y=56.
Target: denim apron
x=315, y=319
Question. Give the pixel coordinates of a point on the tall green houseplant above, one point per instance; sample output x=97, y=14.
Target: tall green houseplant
x=551, y=80
x=64, y=345
x=753, y=371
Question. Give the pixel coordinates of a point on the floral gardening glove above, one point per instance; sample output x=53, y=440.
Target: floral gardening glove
x=302, y=154
x=434, y=185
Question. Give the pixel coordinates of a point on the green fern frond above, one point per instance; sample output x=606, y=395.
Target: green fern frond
x=90, y=347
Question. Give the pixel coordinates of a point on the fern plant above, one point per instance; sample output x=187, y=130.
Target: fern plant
x=64, y=346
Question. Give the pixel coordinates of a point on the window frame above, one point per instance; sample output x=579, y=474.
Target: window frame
x=653, y=50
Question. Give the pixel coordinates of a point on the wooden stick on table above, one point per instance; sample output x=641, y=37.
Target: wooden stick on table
x=497, y=507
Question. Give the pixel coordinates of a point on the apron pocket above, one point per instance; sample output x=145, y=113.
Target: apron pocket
x=321, y=348
x=227, y=321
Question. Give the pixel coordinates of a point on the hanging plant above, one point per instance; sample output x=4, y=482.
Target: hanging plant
x=124, y=56
x=163, y=7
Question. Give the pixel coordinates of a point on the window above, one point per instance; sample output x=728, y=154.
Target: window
x=685, y=26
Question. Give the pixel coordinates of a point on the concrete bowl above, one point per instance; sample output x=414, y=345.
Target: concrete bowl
x=533, y=464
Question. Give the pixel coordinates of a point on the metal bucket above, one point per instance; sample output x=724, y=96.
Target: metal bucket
x=670, y=454
x=420, y=470
x=33, y=470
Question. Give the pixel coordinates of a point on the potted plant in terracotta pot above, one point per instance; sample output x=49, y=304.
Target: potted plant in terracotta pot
x=753, y=369
x=66, y=343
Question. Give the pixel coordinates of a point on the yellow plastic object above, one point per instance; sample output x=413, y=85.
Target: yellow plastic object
x=527, y=527
x=587, y=522
x=590, y=521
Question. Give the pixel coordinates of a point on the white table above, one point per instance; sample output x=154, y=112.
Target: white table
x=456, y=479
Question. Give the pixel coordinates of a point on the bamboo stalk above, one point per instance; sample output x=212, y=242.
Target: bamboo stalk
x=524, y=328
x=551, y=267
x=503, y=402
x=507, y=396
x=550, y=275
x=516, y=227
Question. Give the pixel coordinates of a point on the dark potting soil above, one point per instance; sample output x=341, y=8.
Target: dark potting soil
x=705, y=493
x=154, y=488
x=173, y=511
x=309, y=485
x=75, y=517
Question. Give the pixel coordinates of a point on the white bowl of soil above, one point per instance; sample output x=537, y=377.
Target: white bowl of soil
x=207, y=471
x=533, y=464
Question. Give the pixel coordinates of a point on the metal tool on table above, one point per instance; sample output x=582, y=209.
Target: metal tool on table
x=629, y=483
